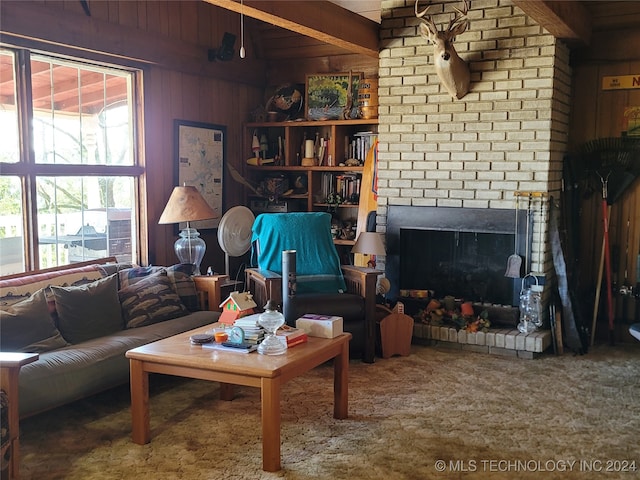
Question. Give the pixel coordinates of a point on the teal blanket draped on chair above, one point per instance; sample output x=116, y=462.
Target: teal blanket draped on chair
x=309, y=233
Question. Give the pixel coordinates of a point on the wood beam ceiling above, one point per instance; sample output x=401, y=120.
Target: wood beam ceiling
x=566, y=20
x=321, y=20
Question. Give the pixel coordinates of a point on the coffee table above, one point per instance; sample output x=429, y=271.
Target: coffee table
x=177, y=356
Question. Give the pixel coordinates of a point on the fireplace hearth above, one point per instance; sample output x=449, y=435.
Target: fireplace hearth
x=461, y=252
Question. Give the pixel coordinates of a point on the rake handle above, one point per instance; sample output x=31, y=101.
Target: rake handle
x=607, y=269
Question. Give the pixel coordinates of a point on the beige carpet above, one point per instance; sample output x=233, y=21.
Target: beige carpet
x=484, y=416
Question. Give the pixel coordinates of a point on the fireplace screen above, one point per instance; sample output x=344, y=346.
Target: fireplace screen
x=467, y=265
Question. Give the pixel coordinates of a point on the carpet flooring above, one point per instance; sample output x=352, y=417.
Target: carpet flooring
x=437, y=413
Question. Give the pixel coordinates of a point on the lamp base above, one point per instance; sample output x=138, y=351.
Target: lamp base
x=190, y=248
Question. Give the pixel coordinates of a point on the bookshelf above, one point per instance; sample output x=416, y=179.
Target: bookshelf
x=285, y=179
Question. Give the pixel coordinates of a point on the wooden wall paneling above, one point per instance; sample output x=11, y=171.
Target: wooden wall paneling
x=175, y=27
x=189, y=22
x=99, y=10
x=158, y=17
x=191, y=99
x=204, y=22
x=611, y=104
x=141, y=15
x=626, y=257
x=114, y=11
x=128, y=15
x=583, y=123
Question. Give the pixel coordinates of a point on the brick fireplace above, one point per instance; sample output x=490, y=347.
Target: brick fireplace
x=507, y=135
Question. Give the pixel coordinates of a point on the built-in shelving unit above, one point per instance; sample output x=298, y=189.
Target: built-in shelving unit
x=285, y=185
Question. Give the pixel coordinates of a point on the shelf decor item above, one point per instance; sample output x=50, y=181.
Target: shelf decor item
x=328, y=94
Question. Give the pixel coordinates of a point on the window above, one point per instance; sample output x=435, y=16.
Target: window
x=68, y=162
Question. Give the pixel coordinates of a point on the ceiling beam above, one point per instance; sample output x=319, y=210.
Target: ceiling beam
x=321, y=20
x=566, y=20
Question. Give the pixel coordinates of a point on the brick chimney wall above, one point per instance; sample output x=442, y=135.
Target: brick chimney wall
x=508, y=134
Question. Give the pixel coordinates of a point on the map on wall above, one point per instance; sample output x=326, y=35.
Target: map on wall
x=200, y=163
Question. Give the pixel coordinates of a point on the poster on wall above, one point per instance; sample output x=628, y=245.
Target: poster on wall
x=631, y=122
x=199, y=157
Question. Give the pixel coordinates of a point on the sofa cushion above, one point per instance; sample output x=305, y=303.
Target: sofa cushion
x=153, y=299
x=76, y=371
x=184, y=285
x=180, y=276
x=15, y=289
x=27, y=326
x=88, y=311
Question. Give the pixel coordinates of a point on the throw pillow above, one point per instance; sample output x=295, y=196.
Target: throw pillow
x=27, y=326
x=88, y=311
x=150, y=300
x=107, y=269
x=129, y=276
x=184, y=285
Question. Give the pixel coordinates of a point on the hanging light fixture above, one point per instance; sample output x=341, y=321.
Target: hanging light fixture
x=242, y=52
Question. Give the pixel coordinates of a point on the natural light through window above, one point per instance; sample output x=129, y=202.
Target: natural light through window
x=82, y=167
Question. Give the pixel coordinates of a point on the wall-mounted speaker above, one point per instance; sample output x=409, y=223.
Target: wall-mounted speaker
x=225, y=51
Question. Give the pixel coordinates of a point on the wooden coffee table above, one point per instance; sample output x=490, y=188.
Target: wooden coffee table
x=177, y=356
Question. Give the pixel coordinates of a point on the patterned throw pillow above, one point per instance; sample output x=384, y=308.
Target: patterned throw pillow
x=111, y=268
x=184, y=285
x=129, y=276
x=150, y=300
x=180, y=276
x=27, y=326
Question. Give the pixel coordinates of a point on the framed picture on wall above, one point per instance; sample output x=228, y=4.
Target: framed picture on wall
x=327, y=95
x=199, y=162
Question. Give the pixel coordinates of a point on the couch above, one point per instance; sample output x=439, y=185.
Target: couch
x=82, y=318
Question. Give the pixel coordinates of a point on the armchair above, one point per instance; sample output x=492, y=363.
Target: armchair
x=323, y=285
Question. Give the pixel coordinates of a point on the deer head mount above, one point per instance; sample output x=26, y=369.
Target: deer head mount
x=451, y=69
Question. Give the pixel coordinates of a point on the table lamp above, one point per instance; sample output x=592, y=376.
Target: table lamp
x=187, y=205
x=369, y=243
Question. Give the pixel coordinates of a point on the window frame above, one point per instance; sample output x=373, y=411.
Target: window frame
x=27, y=170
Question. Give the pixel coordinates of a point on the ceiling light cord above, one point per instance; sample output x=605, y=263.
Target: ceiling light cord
x=242, y=53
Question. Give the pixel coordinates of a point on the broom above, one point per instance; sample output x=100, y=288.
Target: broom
x=615, y=161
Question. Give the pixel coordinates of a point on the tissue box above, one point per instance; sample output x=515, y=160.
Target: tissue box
x=325, y=326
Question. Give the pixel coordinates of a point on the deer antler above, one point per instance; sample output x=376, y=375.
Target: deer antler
x=459, y=21
x=428, y=20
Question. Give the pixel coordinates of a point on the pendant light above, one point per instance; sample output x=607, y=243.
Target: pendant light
x=242, y=53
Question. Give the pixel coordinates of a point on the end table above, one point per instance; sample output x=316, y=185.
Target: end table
x=10, y=364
